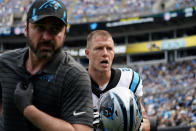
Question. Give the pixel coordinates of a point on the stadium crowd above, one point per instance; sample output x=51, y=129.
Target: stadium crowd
x=170, y=92
x=108, y=10
x=80, y=11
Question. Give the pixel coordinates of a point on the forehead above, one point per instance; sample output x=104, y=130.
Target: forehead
x=101, y=40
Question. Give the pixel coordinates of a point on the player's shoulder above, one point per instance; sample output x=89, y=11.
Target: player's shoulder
x=72, y=65
x=128, y=70
x=122, y=73
x=12, y=55
x=129, y=78
x=125, y=69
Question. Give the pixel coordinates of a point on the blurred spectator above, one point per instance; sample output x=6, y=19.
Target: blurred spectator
x=95, y=10
x=170, y=92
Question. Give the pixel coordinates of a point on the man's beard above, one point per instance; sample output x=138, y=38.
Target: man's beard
x=43, y=53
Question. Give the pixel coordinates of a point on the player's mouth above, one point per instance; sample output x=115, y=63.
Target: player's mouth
x=104, y=63
x=45, y=47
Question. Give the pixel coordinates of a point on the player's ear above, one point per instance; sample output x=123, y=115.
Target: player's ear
x=66, y=30
x=87, y=53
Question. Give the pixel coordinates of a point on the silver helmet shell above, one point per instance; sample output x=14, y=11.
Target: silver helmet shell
x=120, y=110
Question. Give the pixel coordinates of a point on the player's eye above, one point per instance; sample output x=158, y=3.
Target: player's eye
x=55, y=30
x=109, y=48
x=98, y=48
x=40, y=28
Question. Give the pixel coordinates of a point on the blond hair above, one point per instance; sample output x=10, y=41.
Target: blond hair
x=102, y=33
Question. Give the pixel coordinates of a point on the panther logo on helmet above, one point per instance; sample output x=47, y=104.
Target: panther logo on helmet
x=108, y=106
x=119, y=110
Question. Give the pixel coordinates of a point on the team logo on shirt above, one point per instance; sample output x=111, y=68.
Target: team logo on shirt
x=48, y=77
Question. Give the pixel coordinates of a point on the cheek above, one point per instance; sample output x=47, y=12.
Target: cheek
x=60, y=39
x=94, y=57
x=34, y=36
x=112, y=55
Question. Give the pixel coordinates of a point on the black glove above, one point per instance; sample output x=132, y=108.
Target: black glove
x=23, y=95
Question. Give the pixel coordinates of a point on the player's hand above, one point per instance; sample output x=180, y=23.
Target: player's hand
x=23, y=95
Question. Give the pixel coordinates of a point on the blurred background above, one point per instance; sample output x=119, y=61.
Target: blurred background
x=157, y=38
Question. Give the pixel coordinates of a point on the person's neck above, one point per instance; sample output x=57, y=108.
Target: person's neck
x=100, y=78
x=33, y=64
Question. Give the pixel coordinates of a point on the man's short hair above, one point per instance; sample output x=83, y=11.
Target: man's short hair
x=103, y=33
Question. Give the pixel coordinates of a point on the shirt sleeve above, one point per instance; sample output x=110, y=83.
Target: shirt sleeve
x=77, y=100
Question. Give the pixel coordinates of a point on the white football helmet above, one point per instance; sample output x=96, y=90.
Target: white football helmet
x=120, y=110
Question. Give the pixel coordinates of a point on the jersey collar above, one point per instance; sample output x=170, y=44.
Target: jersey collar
x=114, y=79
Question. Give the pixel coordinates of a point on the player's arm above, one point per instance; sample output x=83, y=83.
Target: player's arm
x=146, y=123
x=23, y=97
x=46, y=122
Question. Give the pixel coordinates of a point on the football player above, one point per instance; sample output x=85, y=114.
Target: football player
x=100, y=53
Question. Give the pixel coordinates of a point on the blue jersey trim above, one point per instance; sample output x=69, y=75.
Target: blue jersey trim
x=135, y=81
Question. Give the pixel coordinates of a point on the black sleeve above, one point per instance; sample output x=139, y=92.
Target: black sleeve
x=77, y=99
